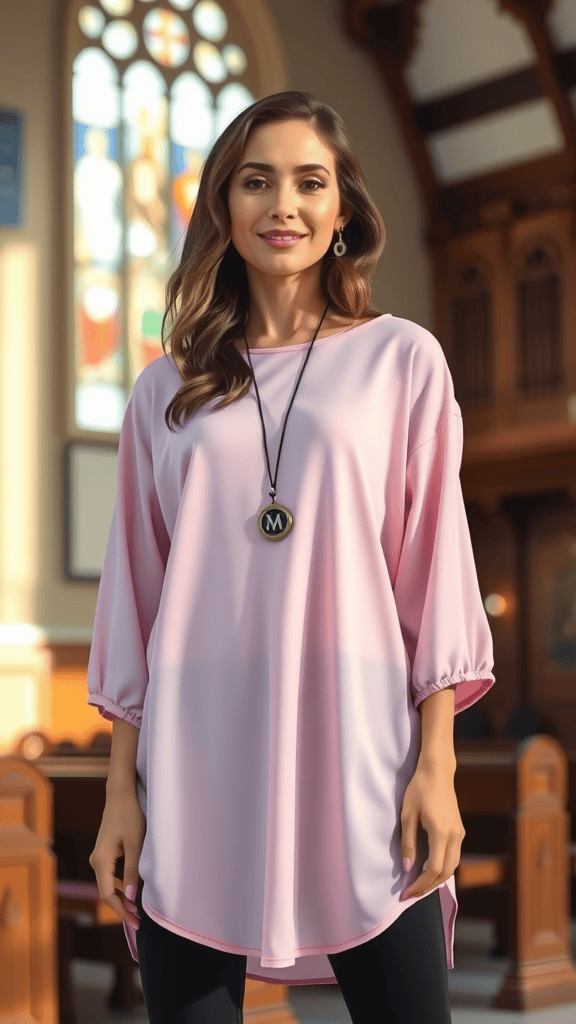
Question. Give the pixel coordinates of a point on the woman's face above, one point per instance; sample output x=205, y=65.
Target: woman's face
x=284, y=198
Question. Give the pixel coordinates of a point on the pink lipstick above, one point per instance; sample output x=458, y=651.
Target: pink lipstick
x=283, y=243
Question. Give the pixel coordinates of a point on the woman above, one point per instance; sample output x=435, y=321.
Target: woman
x=263, y=653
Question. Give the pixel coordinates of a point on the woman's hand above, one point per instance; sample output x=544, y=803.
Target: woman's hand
x=430, y=798
x=121, y=834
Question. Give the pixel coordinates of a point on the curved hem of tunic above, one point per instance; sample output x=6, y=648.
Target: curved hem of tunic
x=448, y=903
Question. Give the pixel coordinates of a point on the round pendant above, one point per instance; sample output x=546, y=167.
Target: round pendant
x=275, y=521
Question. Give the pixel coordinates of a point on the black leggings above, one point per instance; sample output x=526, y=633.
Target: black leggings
x=400, y=976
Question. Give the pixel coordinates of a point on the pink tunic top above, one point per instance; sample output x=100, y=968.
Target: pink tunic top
x=275, y=684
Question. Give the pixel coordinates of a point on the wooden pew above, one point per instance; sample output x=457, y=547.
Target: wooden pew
x=87, y=927
x=80, y=924
x=28, y=917
x=526, y=783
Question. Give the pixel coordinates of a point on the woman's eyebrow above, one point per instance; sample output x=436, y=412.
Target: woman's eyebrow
x=269, y=167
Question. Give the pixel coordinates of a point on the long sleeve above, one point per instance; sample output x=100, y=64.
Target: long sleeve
x=440, y=609
x=132, y=574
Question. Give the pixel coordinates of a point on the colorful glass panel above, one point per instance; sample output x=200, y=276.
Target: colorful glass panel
x=139, y=147
x=91, y=21
x=120, y=39
x=117, y=8
x=166, y=37
x=234, y=59
x=209, y=20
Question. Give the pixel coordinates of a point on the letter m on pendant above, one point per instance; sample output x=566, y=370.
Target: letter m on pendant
x=274, y=524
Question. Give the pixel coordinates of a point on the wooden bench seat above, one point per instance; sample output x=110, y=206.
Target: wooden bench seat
x=478, y=869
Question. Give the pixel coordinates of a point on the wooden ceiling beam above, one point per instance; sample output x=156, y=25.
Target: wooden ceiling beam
x=388, y=33
x=533, y=15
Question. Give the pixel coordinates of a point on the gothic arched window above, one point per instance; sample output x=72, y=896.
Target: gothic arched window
x=153, y=84
x=472, y=339
x=539, y=324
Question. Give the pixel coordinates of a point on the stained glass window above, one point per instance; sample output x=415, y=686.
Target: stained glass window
x=153, y=84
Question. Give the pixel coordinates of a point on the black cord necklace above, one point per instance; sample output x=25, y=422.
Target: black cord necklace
x=275, y=520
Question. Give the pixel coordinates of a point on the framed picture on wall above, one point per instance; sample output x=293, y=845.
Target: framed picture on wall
x=11, y=199
x=89, y=496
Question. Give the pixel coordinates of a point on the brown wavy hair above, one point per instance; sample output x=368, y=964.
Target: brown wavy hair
x=211, y=280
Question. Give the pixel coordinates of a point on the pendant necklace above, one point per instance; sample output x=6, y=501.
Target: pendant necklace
x=276, y=520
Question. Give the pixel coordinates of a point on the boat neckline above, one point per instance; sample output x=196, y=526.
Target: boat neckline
x=319, y=341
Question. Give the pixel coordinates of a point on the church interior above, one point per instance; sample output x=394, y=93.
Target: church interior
x=463, y=115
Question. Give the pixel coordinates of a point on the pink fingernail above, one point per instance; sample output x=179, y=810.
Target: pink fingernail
x=131, y=891
x=406, y=863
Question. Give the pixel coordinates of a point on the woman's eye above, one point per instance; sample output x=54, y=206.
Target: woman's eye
x=314, y=181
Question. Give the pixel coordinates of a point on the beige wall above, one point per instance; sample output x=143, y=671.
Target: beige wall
x=33, y=320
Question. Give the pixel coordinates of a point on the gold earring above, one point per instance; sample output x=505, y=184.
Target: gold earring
x=340, y=246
